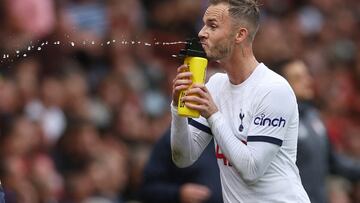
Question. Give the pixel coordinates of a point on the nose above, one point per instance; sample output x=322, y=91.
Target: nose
x=202, y=33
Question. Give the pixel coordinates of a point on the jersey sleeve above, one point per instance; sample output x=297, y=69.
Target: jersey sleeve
x=200, y=125
x=189, y=136
x=272, y=115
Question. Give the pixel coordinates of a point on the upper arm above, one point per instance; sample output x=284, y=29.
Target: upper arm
x=272, y=116
x=269, y=126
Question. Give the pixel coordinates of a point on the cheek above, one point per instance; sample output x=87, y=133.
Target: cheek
x=298, y=89
x=215, y=42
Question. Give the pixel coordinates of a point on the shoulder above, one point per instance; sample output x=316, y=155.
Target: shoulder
x=274, y=90
x=273, y=83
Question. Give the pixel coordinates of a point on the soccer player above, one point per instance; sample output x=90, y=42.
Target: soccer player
x=250, y=111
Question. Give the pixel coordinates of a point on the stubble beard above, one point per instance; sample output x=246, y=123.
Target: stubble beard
x=222, y=49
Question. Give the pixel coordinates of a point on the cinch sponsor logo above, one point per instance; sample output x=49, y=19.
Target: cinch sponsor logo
x=265, y=121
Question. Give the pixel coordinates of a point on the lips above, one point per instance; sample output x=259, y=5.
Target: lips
x=203, y=44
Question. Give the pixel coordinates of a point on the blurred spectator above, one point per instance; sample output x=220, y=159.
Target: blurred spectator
x=24, y=21
x=316, y=158
x=45, y=178
x=26, y=74
x=17, y=185
x=109, y=171
x=10, y=103
x=84, y=158
x=162, y=15
x=46, y=109
x=21, y=149
x=75, y=149
x=88, y=17
x=166, y=183
x=2, y=194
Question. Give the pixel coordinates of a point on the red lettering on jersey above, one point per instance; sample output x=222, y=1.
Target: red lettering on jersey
x=222, y=156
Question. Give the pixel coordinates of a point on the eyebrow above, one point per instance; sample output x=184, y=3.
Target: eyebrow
x=210, y=20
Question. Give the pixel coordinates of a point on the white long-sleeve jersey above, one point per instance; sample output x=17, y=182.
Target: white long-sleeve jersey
x=255, y=132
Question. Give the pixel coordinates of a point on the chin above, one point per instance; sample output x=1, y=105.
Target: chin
x=308, y=96
x=215, y=57
x=212, y=58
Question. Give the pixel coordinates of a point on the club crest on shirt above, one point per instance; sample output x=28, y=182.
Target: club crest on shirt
x=241, y=116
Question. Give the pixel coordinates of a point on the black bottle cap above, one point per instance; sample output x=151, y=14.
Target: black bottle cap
x=193, y=48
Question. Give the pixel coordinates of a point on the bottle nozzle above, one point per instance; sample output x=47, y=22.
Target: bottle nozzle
x=193, y=48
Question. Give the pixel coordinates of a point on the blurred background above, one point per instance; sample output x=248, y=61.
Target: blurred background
x=79, y=115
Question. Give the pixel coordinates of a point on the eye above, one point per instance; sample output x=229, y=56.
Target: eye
x=213, y=26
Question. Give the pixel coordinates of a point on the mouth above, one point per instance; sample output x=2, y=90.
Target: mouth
x=203, y=44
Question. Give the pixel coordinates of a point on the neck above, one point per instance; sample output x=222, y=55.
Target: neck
x=240, y=64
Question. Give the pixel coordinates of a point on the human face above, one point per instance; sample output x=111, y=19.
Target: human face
x=300, y=80
x=217, y=36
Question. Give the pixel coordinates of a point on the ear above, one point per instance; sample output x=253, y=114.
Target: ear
x=241, y=35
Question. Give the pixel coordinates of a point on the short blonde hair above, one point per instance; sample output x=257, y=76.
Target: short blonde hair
x=243, y=12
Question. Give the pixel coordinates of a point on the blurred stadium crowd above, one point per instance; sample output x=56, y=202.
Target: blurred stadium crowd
x=77, y=121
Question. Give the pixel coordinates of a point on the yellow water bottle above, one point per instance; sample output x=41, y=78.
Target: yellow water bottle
x=195, y=59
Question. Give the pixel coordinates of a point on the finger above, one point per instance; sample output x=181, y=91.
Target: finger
x=195, y=106
x=201, y=195
x=197, y=91
x=195, y=99
x=201, y=86
x=183, y=75
x=182, y=82
x=180, y=88
x=204, y=192
x=183, y=68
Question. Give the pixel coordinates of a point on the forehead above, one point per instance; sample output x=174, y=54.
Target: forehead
x=216, y=12
x=295, y=69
